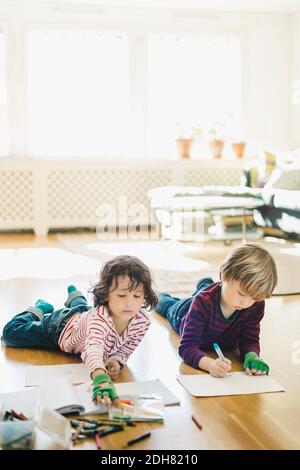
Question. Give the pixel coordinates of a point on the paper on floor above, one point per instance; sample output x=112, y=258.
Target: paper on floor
x=75, y=373
x=148, y=387
x=66, y=398
x=237, y=383
x=143, y=388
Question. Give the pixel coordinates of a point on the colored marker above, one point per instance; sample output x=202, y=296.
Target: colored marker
x=98, y=441
x=76, y=433
x=126, y=402
x=139, y=438
x=197, y=421
x=219, y=352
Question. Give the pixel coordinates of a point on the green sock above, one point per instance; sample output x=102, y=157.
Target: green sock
x=44, y=306
x=71, y=289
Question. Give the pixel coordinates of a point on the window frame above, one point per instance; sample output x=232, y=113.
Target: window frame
x=10, y=88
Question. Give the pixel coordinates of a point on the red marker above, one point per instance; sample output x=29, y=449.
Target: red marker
x=197, y=422
x=98, y=441
x=126, y=402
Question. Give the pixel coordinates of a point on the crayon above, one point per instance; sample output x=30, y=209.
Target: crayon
x=98, y=441
x=197, y=422
x=139, y=438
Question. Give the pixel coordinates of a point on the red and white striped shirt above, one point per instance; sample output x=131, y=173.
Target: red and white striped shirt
x=94, y=335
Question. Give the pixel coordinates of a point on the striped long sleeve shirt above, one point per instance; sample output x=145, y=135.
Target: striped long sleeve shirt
x=205, y=324
x=93, y=334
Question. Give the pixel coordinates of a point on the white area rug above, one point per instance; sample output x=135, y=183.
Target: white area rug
x=44, y=262
x=177, y=266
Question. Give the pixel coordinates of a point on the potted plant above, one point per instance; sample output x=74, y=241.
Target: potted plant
x=238, y=148
x=186, y=134
x=238, y=142
x=216, y=140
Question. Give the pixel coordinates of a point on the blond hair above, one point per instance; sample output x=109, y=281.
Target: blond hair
x=253, y=267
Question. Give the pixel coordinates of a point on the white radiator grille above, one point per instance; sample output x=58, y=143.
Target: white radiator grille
x=16, y=198
x=211, y=176
x=43, y=194
x=74, y=195
x=71, y=194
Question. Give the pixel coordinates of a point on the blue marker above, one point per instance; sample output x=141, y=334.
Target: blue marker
x=219, y=352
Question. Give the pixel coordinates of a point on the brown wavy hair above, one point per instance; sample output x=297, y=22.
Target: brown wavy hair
x=130, y=266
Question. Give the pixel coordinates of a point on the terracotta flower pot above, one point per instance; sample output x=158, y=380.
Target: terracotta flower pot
x=184, y=147
x=216, y=147
x=238, y=149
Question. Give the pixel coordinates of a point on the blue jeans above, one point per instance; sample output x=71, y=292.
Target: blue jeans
x=35, y=329
x=175, y=309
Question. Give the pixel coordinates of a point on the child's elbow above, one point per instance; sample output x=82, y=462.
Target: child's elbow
x=181, y=352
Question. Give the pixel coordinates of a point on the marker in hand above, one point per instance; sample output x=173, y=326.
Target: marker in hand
x=219, y=352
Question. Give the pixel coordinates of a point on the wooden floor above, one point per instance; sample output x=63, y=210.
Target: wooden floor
x=264, y=421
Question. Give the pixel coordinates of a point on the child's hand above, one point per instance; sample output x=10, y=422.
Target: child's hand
x=113, y=368
x=219, y=368
x=104, y=391
x=253, y=365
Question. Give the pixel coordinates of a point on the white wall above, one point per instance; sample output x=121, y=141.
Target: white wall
x=266, y=45
x=267, y=80
x=295, y=83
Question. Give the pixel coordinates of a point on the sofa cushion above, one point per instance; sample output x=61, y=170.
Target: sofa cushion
x=286, y=178
x=166, y=192
x=282, y=198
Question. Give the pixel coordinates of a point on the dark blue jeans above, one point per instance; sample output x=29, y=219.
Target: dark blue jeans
x=175, y=309
x=42, y=330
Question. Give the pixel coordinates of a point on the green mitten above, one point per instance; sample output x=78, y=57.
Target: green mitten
x=109, y=390
x=252, y=361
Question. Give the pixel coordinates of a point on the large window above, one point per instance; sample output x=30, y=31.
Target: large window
x=191, y=81
x=78, y=94
x=4, y=137
x=81, y=102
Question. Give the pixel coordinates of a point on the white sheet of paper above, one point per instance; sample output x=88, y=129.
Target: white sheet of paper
x=148, y=387
x=145, y=387
x=238, y=383
x=84, y=393
x=63, y=394
x=57, y=393
x=75, y=373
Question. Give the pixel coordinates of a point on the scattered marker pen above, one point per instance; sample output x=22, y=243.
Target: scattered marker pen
x=139, y=438
x=197, y=422
x=98, y=441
